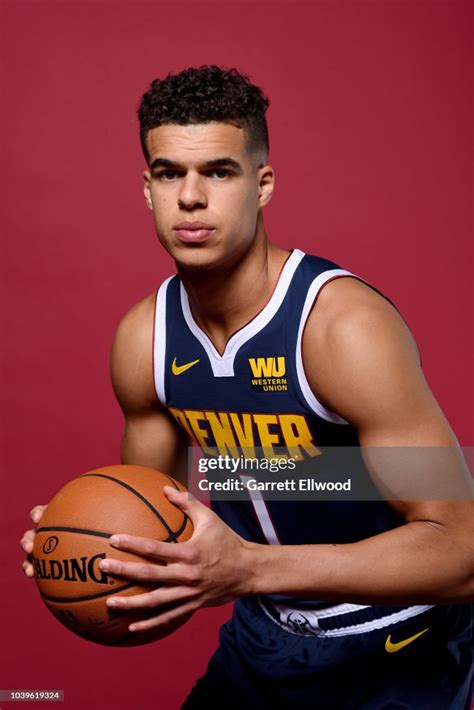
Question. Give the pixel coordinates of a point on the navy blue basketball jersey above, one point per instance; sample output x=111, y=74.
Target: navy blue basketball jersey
x=280, y=651
x=256, y=395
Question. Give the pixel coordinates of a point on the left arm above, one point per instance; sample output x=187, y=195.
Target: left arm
x=369, y=373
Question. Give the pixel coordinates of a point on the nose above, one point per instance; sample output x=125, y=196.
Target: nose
x=192, y=193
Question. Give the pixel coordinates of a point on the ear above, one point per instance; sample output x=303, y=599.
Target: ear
x=146, y=188
x=266, y=183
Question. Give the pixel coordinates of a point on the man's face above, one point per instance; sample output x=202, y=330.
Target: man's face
x=205, y=190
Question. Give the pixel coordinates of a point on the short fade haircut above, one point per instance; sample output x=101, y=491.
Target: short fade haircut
x=203, y=95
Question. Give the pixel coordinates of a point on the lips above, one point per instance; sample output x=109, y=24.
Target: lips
x=194, y=231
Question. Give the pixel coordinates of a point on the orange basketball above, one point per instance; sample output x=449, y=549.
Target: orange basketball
x=72, y=538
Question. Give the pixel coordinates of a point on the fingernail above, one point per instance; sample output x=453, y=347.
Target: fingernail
x=132, y=627
x=104, y=565
x=114, y=540
x=111, y=602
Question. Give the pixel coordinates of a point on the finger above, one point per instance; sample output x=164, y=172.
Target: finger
x=166, y=551
x=165, y=618
x=28, y=569
x=152, y=600
x=37, y=512
x=26, y=541
x=193, y=508
x=142, y=571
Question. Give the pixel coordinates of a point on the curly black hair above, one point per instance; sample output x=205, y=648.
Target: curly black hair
x=204, y=94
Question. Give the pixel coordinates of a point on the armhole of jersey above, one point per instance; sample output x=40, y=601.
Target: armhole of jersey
x=311, y=297
x=159, y=341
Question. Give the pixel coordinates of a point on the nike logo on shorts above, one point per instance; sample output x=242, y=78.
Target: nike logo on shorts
x=391, y=647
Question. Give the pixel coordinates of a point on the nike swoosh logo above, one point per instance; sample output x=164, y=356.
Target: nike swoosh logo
x=179, y=369
x=394, y=647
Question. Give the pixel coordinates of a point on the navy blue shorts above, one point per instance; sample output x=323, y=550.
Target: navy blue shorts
x=260, y=665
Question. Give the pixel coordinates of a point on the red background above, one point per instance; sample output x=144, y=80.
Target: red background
x=371, y=140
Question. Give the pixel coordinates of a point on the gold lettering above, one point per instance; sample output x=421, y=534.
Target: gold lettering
x=244, y=433
x=267, y=439
x=297, y=436
x=195, y=417
x=222, y=433
x=182, y=421
x=262, y=366
x=279, y=369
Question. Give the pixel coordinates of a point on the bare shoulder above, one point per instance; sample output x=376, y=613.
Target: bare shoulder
x=350, y=314
x=131, y=361
x=137, y=323
x=349, y=308
x=362, y=362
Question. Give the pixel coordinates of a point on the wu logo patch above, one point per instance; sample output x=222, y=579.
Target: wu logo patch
x=268, y=374
x=267, y=366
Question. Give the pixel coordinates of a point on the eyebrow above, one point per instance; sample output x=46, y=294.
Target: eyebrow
x=214, y=163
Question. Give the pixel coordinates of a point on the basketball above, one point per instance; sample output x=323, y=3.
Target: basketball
x=72, y=538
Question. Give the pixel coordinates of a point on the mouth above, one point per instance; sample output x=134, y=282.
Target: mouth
x=194, y=232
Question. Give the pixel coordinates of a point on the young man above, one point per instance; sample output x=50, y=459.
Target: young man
x=358, y=604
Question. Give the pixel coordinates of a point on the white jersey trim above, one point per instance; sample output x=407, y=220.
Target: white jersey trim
x=223, y=365
x=308, y=394
x=159, y=341
x=261, y=511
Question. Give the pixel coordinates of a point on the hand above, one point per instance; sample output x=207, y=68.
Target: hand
x=212, y=568
x=27, y=540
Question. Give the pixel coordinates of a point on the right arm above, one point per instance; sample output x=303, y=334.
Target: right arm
x=151, y=436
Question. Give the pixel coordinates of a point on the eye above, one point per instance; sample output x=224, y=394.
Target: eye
x=167, y=175
x=220, y=173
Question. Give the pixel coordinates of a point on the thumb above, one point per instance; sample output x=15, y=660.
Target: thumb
x=193, y=508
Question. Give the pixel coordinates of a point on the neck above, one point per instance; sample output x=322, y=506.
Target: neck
x=224, y=299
